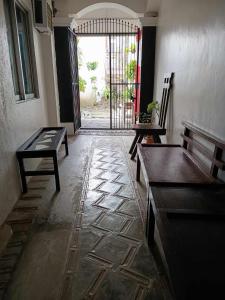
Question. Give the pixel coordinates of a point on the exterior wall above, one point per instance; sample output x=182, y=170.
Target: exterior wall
x=17, y=120
x=191, y=43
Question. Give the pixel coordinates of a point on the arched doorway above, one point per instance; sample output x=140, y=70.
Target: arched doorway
x=112, y=99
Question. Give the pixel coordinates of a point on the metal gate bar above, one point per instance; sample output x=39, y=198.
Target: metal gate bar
x=106, y=26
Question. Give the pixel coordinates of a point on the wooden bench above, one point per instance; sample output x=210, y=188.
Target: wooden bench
x=187, y=164
x=185, y=211
x=43, y=143
x=188, y=226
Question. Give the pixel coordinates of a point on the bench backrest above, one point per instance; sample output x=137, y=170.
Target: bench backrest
x=204, y=148
x=167, y=86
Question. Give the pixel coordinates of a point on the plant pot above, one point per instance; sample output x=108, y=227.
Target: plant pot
x=149, y=139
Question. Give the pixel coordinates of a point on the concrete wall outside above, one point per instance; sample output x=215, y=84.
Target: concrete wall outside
x=191, y=43
x=17, y=120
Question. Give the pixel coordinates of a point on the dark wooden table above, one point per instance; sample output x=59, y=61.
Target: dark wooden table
x=190, y=223
x=142, y=130
x=43, y=143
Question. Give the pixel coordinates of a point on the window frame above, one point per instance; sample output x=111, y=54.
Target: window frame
x=11, y=6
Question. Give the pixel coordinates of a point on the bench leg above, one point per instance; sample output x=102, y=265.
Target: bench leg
x=133, y=143
x=135, y=148
x=138, y=170
x=22, y=174
x=151, y=225
x=57, y=183
x=66, y=145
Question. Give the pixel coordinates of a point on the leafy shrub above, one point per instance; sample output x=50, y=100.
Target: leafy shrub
x=93, y=79
x=82, y=84
x=106, y=93
x=92, y=65
x=130, y=70
x=131, y=49
x=128, y=94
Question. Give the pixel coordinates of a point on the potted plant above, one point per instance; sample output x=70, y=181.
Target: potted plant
x=149, y=117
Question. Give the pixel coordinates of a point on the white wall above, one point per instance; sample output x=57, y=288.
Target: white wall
x=17, y=121
x=66, y=7
x=191, y=43
x=50, y=78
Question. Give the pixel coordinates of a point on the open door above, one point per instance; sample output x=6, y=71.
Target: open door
x=122, y=70
x=75, y=79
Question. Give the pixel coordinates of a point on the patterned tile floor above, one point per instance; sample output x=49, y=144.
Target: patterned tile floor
x=86, y=242
x=108, y=257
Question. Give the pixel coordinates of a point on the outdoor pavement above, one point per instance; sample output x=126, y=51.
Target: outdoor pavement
x=95, y=123
x=98, y=117
x=87, y=241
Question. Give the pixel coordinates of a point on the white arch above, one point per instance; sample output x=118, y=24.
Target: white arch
x=104, y=5
x=104, y=9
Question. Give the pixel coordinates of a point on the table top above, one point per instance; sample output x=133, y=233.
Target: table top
x=191, y=226
x=203, y=199
x=194, y=250
x=45, y=139
x=170, y=165
x=149, y=128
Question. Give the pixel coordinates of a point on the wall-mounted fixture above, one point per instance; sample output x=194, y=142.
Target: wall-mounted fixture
x=43, y=15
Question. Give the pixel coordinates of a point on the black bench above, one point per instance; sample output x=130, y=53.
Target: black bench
x=43, y=143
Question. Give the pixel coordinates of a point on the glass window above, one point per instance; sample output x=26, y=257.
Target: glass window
x=25, y=53
x=12, y=52
x=21, y=50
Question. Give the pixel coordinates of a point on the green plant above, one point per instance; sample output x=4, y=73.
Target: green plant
x=153, y=106
x=131, y=49
x=82, y=84
x=92, y=65
x=79, y=54
x=93, y=79
x=128, y=94
x=114, y=93
x=148, y=117
x=106, y=93
x=130, y=70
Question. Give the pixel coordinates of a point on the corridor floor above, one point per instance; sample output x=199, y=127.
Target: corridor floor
x=87, y=242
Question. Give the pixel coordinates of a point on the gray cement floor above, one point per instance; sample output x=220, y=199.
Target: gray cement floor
x=87, y=242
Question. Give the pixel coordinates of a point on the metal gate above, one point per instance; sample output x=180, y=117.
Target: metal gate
x=75, y=79
x=122, y=70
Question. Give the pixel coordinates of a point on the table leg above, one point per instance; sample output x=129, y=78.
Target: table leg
x=138, y=171
x=22, y=174
x=66, y=145
x=135, y=148
x=133, y=143
x=55, y=161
